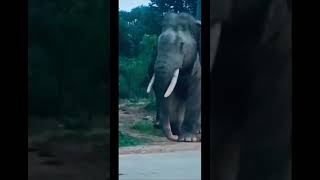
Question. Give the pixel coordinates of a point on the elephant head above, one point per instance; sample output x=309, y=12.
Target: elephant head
x=178, y=48
x=177, y=56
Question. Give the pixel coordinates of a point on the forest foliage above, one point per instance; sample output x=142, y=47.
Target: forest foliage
x=68, y=60
x=68, y=56
x=138, y=32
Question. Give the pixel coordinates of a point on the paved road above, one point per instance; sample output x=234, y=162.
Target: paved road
x=181, y=165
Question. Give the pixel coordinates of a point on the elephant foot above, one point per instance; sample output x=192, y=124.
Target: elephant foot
x=197, y=131
x=173, y=138
x=189, y=137
x=169, y=135
x=175, y=130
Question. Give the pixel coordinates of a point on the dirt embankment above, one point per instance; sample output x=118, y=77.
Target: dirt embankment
x=131, y=114
x=67, y=155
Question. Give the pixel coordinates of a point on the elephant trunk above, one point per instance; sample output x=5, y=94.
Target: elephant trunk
x=166, y=86
x=171, y=86
x=165, y=119
x=167, y=130
x=165, y=77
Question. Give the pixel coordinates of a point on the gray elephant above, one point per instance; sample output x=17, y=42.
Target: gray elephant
x=176, y=78
x=150, y=73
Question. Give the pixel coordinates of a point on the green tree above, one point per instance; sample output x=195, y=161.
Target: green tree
x=68, y=44
x=188, y=6
x=134, y=25
x=138, y=34
x=133, y=71
x=125, y=38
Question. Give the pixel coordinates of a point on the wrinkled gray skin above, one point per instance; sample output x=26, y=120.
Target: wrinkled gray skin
x=157, y=123
x=179, y=113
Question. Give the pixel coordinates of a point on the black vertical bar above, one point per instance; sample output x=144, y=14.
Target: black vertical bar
x=205, y=82
x=114, y=74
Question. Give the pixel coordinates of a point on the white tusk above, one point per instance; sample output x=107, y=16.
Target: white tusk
x=198, y=22
x=172, y=83
x=150, y=84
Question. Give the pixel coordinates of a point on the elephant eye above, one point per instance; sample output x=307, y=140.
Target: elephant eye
x=181, y=46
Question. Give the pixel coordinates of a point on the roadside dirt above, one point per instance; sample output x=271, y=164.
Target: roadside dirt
x=163, y=148
x=70, y=157
x=131, y=114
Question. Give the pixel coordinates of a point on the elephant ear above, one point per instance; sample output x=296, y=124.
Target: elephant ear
x=198, y=38
x=196, y=69
x=197, y=31
x=198, y=22
x=199, y=45
x=152, y=61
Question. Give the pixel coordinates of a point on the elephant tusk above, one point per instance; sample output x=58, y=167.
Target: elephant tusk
x=172, y=83
x=150, y=84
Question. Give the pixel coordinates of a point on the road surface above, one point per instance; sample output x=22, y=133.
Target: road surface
x=179, y=165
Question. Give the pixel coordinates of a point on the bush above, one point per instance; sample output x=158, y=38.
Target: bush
x=151, y=106
x=126, y=140
x=146, y=127
x=133, y=76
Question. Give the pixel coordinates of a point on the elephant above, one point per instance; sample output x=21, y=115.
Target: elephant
x=176, y=78
x=250, y=89
x=157, y=124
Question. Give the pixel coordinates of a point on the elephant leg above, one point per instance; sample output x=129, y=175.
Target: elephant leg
x=177, y=110
x=180, y=114
x=157, y=122
x=197, y=126
x=191, y=124
x=164, y=118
